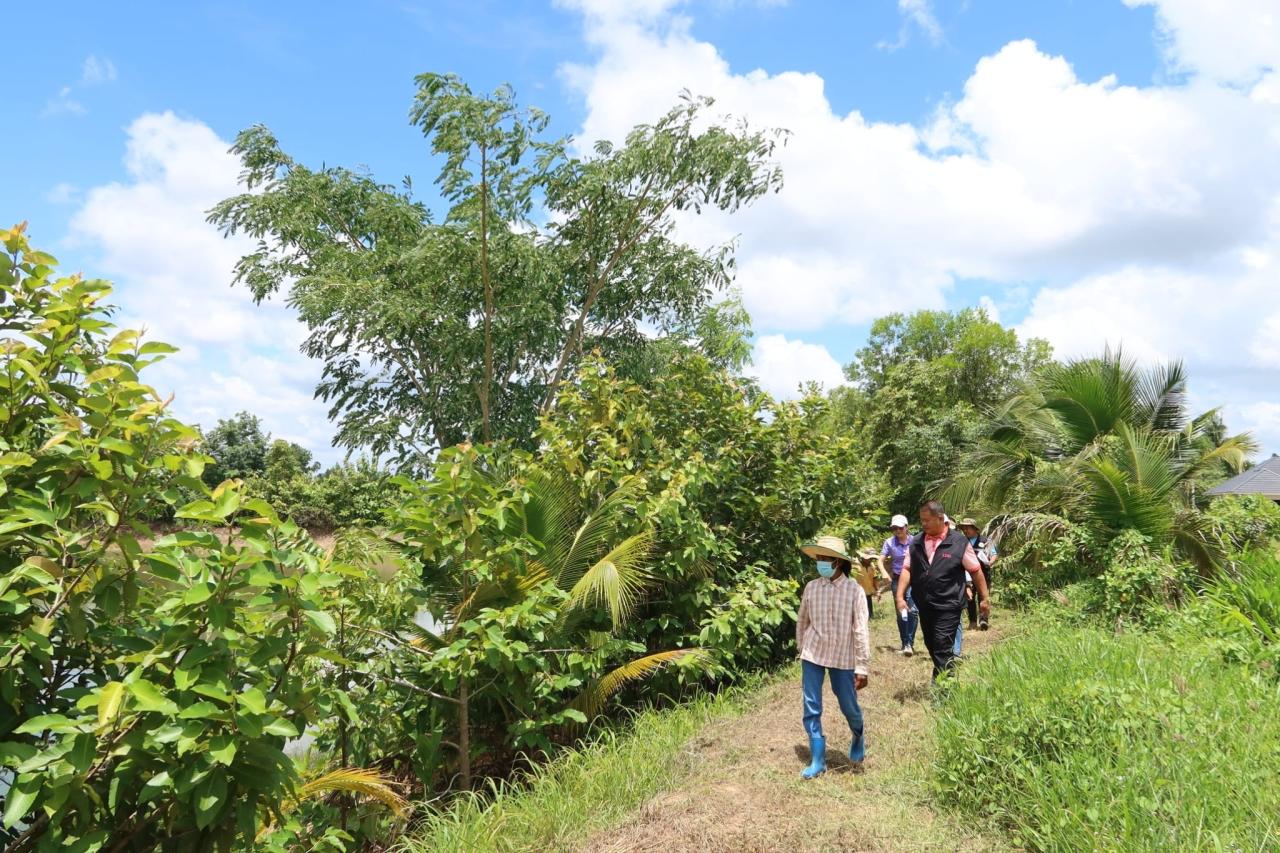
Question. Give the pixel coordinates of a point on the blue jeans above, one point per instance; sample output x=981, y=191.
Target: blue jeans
x=846, y=695
x=907, y=627
x=955, y=650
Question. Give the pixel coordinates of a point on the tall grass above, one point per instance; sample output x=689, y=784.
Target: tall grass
x=1075, y=739
x=560, y=804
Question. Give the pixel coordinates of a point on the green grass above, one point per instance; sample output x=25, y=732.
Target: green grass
x=586, y=789
x=1075, y=739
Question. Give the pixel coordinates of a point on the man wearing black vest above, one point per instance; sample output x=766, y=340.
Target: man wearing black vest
x=934, y=570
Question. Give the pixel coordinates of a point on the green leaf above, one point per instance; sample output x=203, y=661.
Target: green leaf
x=156, y=348
x=253, y=700
x=282, y=727
x=200, y=710
x=109, y=698
x=210, y=795
x=321, y=620
x=197, y=594
x=222, y=749
x=45, y=722
x=20, y=798
x=148, y=697
x=117, y=445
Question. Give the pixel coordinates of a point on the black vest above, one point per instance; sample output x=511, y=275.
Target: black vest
x=939, y=585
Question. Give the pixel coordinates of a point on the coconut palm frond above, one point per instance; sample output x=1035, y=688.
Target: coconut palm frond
x=616, y=580
x=553, y=510
x=1232, y=454
x=1161, y=398
x=364, y=782
x=1089, y=397
x=594, y=695
x=368, y=550
x=423, y=638
x=596, y=531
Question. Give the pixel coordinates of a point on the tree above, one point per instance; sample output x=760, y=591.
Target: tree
x=921, y=387
x=147, y=688
x=285, y=460
x=432, y=333
x=238, y=447
x=1102, y=446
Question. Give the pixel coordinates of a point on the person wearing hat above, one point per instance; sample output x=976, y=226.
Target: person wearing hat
x=832, y=639
x=934, y=570
x=893, y=552
x=986, y=551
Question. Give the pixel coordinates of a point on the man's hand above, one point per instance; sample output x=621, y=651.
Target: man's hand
x=901, y=602
x=984, y=607
x=859, y=682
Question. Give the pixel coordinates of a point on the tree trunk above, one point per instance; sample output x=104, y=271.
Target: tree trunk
x=487, y=380
x=464, y=733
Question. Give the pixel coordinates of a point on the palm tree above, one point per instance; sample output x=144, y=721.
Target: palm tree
x=1102, y=443
x=579, y=547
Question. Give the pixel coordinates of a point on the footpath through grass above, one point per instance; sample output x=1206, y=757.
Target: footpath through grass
x=724, y=774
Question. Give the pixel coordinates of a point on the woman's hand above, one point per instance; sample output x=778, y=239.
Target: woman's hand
x=859, y=682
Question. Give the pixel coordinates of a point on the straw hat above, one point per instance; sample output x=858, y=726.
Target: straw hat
x=827, y=546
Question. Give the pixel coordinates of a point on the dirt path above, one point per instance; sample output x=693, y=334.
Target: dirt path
x=743, y=792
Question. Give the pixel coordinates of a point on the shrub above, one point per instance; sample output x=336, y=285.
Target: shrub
x=1243, y=609
x=145, y=693
x=1140, y=587
x=1073, y=739
x=1245, y=521
x=758, y=606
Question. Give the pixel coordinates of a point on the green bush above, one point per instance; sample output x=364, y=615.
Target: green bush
x=1243, y=611
x=146, y=691
x=758, y=606
x=348, y=494
x=1245, y=521
x=1035, y=566
x=1139, y=586
x=1076, y=739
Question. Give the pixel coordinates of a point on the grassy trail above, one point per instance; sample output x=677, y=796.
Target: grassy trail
x=738, y=785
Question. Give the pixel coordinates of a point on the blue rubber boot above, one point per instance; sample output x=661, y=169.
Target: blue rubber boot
x=818, y=758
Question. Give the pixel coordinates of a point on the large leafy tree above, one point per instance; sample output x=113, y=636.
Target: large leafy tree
x=432, y=332
x=238, y=446
x=1102, y=446
x=920, y=387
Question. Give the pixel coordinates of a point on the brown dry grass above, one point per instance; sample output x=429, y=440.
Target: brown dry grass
x=742, y=790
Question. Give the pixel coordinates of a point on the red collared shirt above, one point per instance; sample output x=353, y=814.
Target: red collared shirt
x=931, y=543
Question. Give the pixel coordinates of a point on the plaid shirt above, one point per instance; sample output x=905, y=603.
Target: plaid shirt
x=831, y=628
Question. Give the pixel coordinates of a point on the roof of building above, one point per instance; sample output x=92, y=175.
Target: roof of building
x=1262, y=479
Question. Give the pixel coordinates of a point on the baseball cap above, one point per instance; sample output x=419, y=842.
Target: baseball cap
x=898, y=521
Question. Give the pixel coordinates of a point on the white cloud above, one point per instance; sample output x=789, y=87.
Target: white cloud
x=97, y=71
x=783, y=365
x=988, y=304
x=1148, y=211
x=94, y=72
x=1232, y=42
x=918, y=14
x=63, y=105
x=173, y=274
x=61, y=193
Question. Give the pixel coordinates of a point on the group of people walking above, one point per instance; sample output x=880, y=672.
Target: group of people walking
x=935, y=574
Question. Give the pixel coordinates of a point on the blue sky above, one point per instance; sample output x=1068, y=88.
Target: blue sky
x=1095, y=171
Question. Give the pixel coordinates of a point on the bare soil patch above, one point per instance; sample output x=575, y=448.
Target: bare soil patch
x=742, y=790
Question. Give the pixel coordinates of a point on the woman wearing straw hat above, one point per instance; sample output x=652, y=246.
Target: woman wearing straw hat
x=832, y=638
